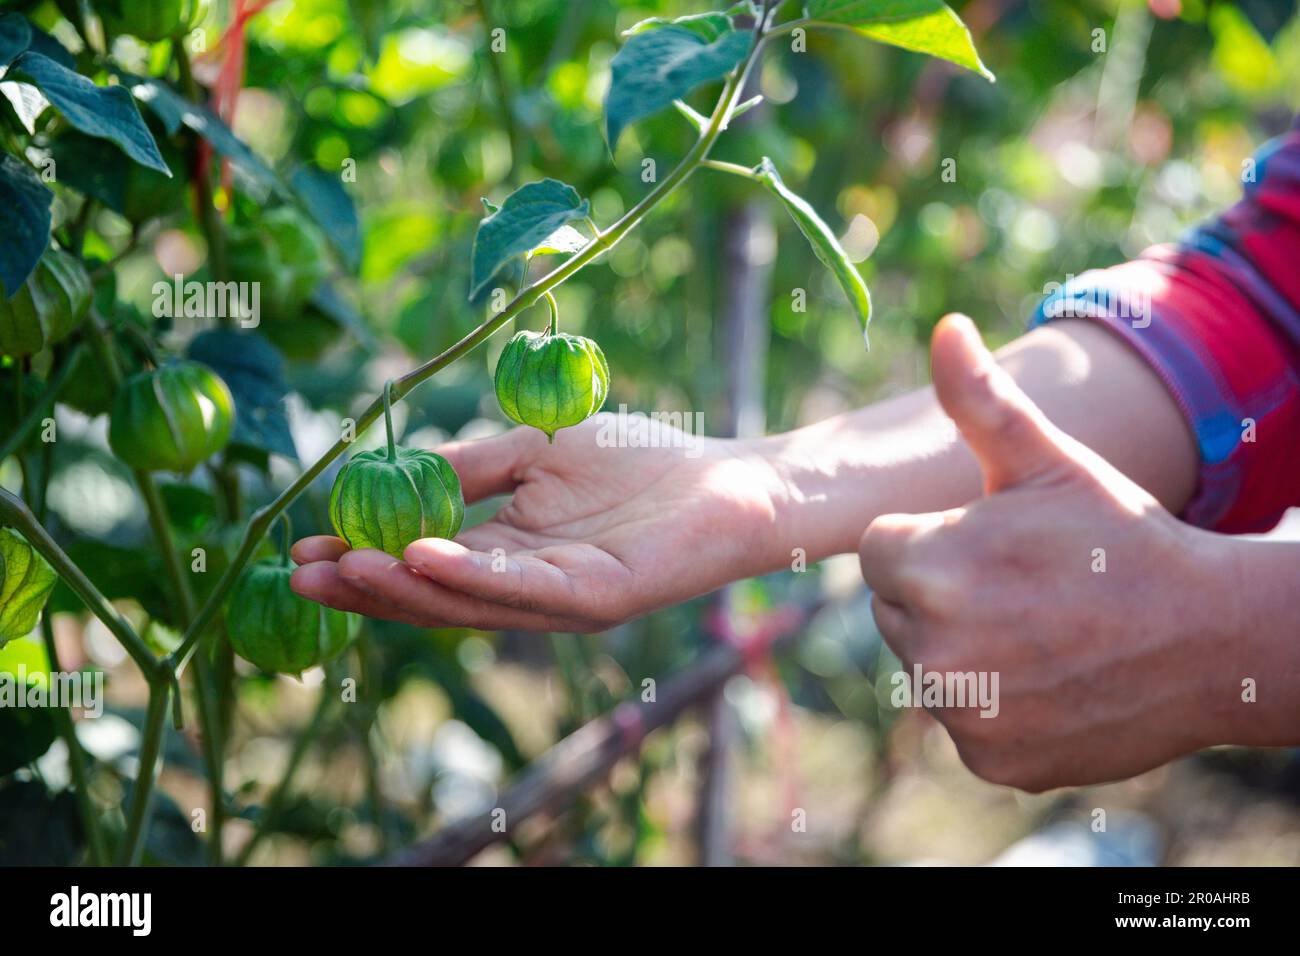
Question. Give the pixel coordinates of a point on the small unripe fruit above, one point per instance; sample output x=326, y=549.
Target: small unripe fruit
x=47, y=307
x=386, y=499
x=171, y=418
x=280, y=632
x=391, y=496
x=551, y=380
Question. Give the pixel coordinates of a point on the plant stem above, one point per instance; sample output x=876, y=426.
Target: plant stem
x=555, y=313
x=184, y=596
x=734, y=169
x=388, y=421
x=142, y=792
x=76, y=759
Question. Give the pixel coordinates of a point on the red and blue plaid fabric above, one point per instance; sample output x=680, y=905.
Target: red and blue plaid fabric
x=1218, y=318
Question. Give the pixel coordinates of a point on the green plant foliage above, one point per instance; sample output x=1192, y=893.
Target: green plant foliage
x=254, y=372
x=925, y=26
x=27, y=202
x=26, y=580
x=351, y=194
x=823, y=242
x=105, y=111
x=527, y=219
x=147, y=19
x=663, y=64
x=285, y=253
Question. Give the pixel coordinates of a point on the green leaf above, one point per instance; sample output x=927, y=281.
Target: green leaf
x=823, y=242
x=26, y=580
x=925, y=26
x=254, y=372
x=708, y=26
x=525, y=220
x=664, y=64
x=24, y=222
x=253, y=174
x=15, y=36
x=323, y=197
x=91, y=167
x=105, y=111
x=562, y=240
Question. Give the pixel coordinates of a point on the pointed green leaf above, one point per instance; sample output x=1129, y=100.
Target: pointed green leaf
x=528, y=217
x=251, y=172
x=925, y=26
x=105, y=111
x=24, y=222
x=823, y=242
x=708, y=26
x=664, y=64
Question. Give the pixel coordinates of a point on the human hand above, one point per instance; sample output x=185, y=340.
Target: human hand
x=1105, y=618
x=591, y=536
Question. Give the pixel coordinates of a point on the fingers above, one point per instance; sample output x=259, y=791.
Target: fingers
x=320, y=547
x=492, y=466
x=524, y=582
x=884, y=548
x=322, y=583
x=1009, y=434
x=394, y=585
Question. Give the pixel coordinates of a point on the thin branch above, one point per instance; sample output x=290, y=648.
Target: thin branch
x=142, y=792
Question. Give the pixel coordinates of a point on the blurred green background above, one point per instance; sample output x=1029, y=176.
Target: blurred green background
x=1109, y=129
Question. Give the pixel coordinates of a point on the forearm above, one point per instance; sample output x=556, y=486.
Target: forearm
x=903, y=454
x=1254, y=697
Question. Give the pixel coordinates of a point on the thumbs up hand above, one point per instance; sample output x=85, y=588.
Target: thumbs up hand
x=1090, y=603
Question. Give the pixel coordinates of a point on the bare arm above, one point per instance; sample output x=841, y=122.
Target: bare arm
x=905, y=455
x=595, y=535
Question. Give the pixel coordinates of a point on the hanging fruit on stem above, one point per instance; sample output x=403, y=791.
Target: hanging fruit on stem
x=391, y=496
x=551, y=380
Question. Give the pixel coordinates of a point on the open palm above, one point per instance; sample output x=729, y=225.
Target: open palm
x=590, y=537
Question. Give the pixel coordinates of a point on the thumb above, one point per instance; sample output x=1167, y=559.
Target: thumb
x=1009, y=434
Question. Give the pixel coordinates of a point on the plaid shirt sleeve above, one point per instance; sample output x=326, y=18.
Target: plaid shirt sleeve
x=1217, y=316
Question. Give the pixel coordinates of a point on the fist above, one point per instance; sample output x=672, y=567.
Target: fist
x=1066, y=590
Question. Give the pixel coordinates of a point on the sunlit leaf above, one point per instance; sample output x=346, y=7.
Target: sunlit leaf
x=528, y=217
x=823, y=242
x=925, y=26
x=664, y=64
